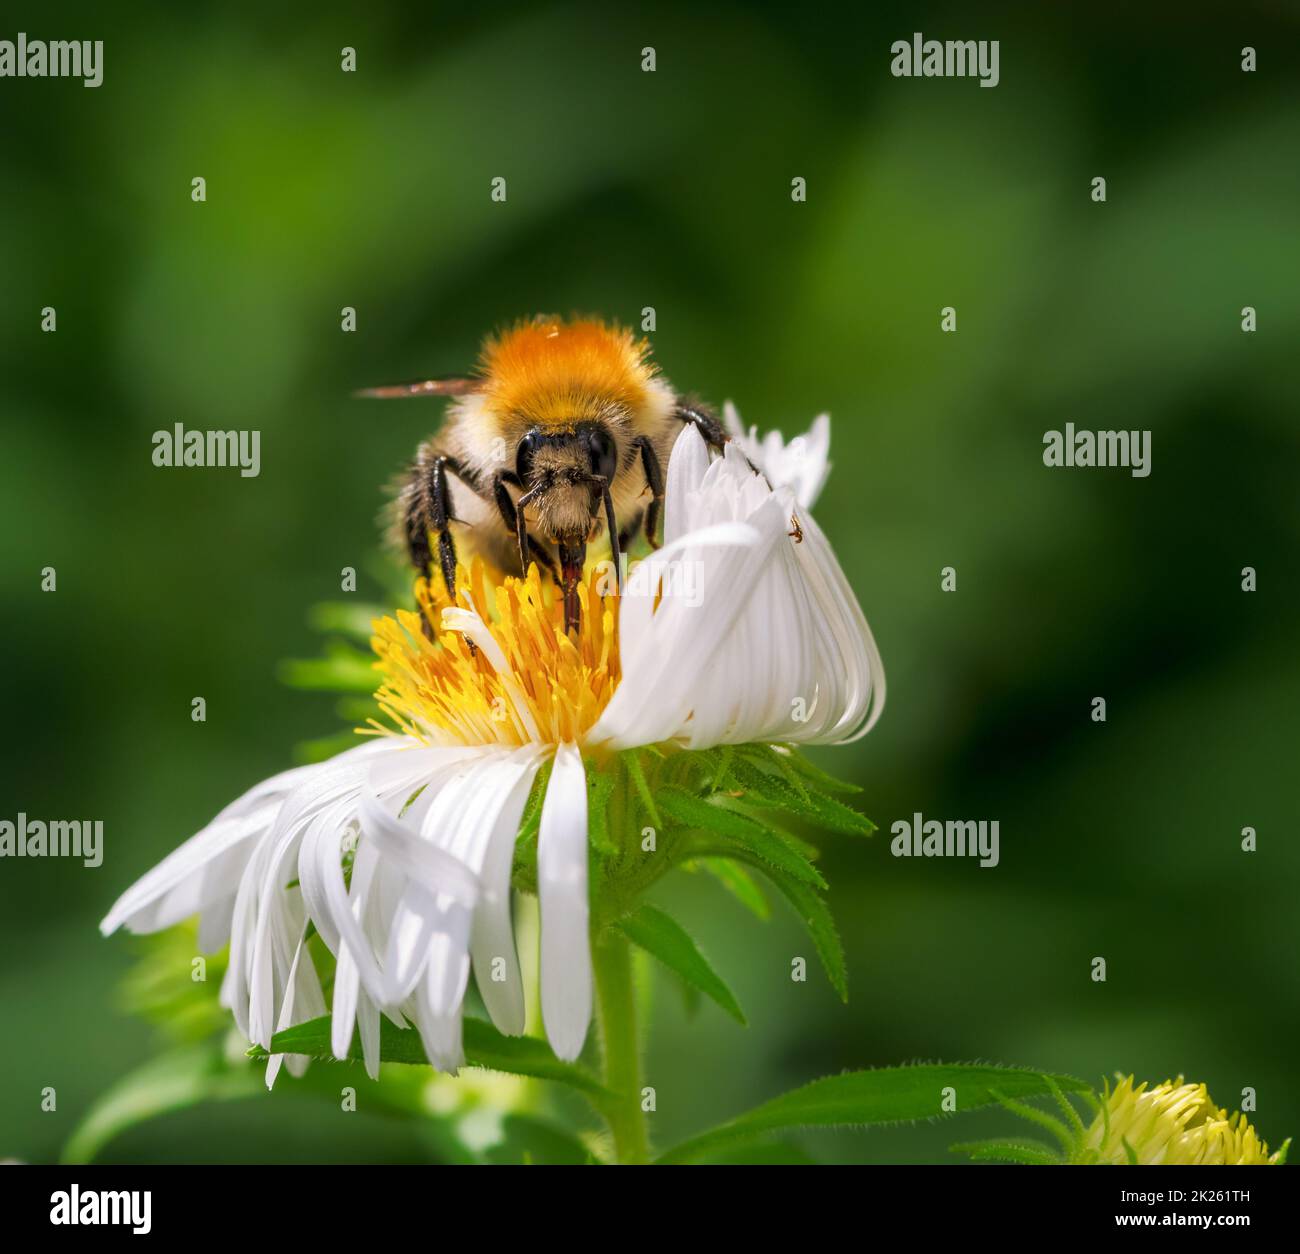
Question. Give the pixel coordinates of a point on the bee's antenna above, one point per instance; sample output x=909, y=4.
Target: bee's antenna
x=420, y=387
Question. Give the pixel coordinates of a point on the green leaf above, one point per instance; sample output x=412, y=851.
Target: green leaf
x=342, y=669
x=767, y=1154
x=1017, y=1150
x=815, y=915
x=872, y=1098
x=1040, y=1117
x=348, y=618
x=484, y=1047
x=737, y=881
x=172, y=1081
x=355, y=710
x=739, y=831
x=528, y=1140
x=664, y=938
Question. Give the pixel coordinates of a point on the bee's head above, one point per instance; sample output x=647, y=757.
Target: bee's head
x=564, y=473
x=565, y=476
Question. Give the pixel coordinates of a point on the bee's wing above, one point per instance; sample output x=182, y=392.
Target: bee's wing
x=422, y=387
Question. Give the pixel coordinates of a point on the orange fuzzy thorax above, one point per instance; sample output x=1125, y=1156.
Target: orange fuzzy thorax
x=549, y=372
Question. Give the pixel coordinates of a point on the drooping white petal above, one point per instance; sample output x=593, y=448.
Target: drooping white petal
x=474, y=818
x=492, y=940
x=304, y=1000
x=320, y=867
x=440, y=1031
x=180, y=886
x=432, y=868
x=352, y=1006
x=562, y=899
x=262, y=951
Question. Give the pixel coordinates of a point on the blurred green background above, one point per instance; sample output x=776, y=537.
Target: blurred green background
x=672, y=190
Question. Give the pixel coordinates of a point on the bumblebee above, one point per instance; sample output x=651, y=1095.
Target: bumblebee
x=560, y=434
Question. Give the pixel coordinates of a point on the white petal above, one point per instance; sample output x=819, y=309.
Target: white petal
x=175, y=889
x=687, y=466
x=802, y=465
x=303, y=1002
x=435, y=870
x=475, y=818
x=327, y=798
x=440, y=1032
x=562, y=897
x=774, y=647
x=492, y=936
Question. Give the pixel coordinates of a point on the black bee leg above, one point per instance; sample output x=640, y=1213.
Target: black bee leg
x=611, y=525
x=715, y=434
x=687, y=410
x=654, y=478
x=529, y=549
x=628, y=534
x=440, y=520
x=428, y=509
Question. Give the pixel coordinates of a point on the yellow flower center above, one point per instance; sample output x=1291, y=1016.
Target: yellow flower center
x=1173, y=1122
x=551, y=689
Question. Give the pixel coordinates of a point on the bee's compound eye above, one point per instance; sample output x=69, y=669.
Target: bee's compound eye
x=524, y=455
x=604, y=457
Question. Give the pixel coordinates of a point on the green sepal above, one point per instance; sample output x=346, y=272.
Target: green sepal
x=738, y=882
x=737, y=831
x=767, y=790
x=812, y=775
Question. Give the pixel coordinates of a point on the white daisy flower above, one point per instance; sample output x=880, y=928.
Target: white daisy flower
x=399, y=853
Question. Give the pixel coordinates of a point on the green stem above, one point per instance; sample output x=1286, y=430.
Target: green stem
x=616, y=1006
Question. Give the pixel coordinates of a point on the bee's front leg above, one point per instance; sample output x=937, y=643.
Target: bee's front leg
x=529, y=549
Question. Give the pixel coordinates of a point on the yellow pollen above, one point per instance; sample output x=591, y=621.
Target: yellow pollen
x=444, y=691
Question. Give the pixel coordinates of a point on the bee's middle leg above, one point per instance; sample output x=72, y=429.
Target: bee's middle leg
x=654, y=478
x=692, y=413
x=428, y=509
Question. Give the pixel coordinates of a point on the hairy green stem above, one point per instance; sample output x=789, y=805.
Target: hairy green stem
x=616, y=1007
